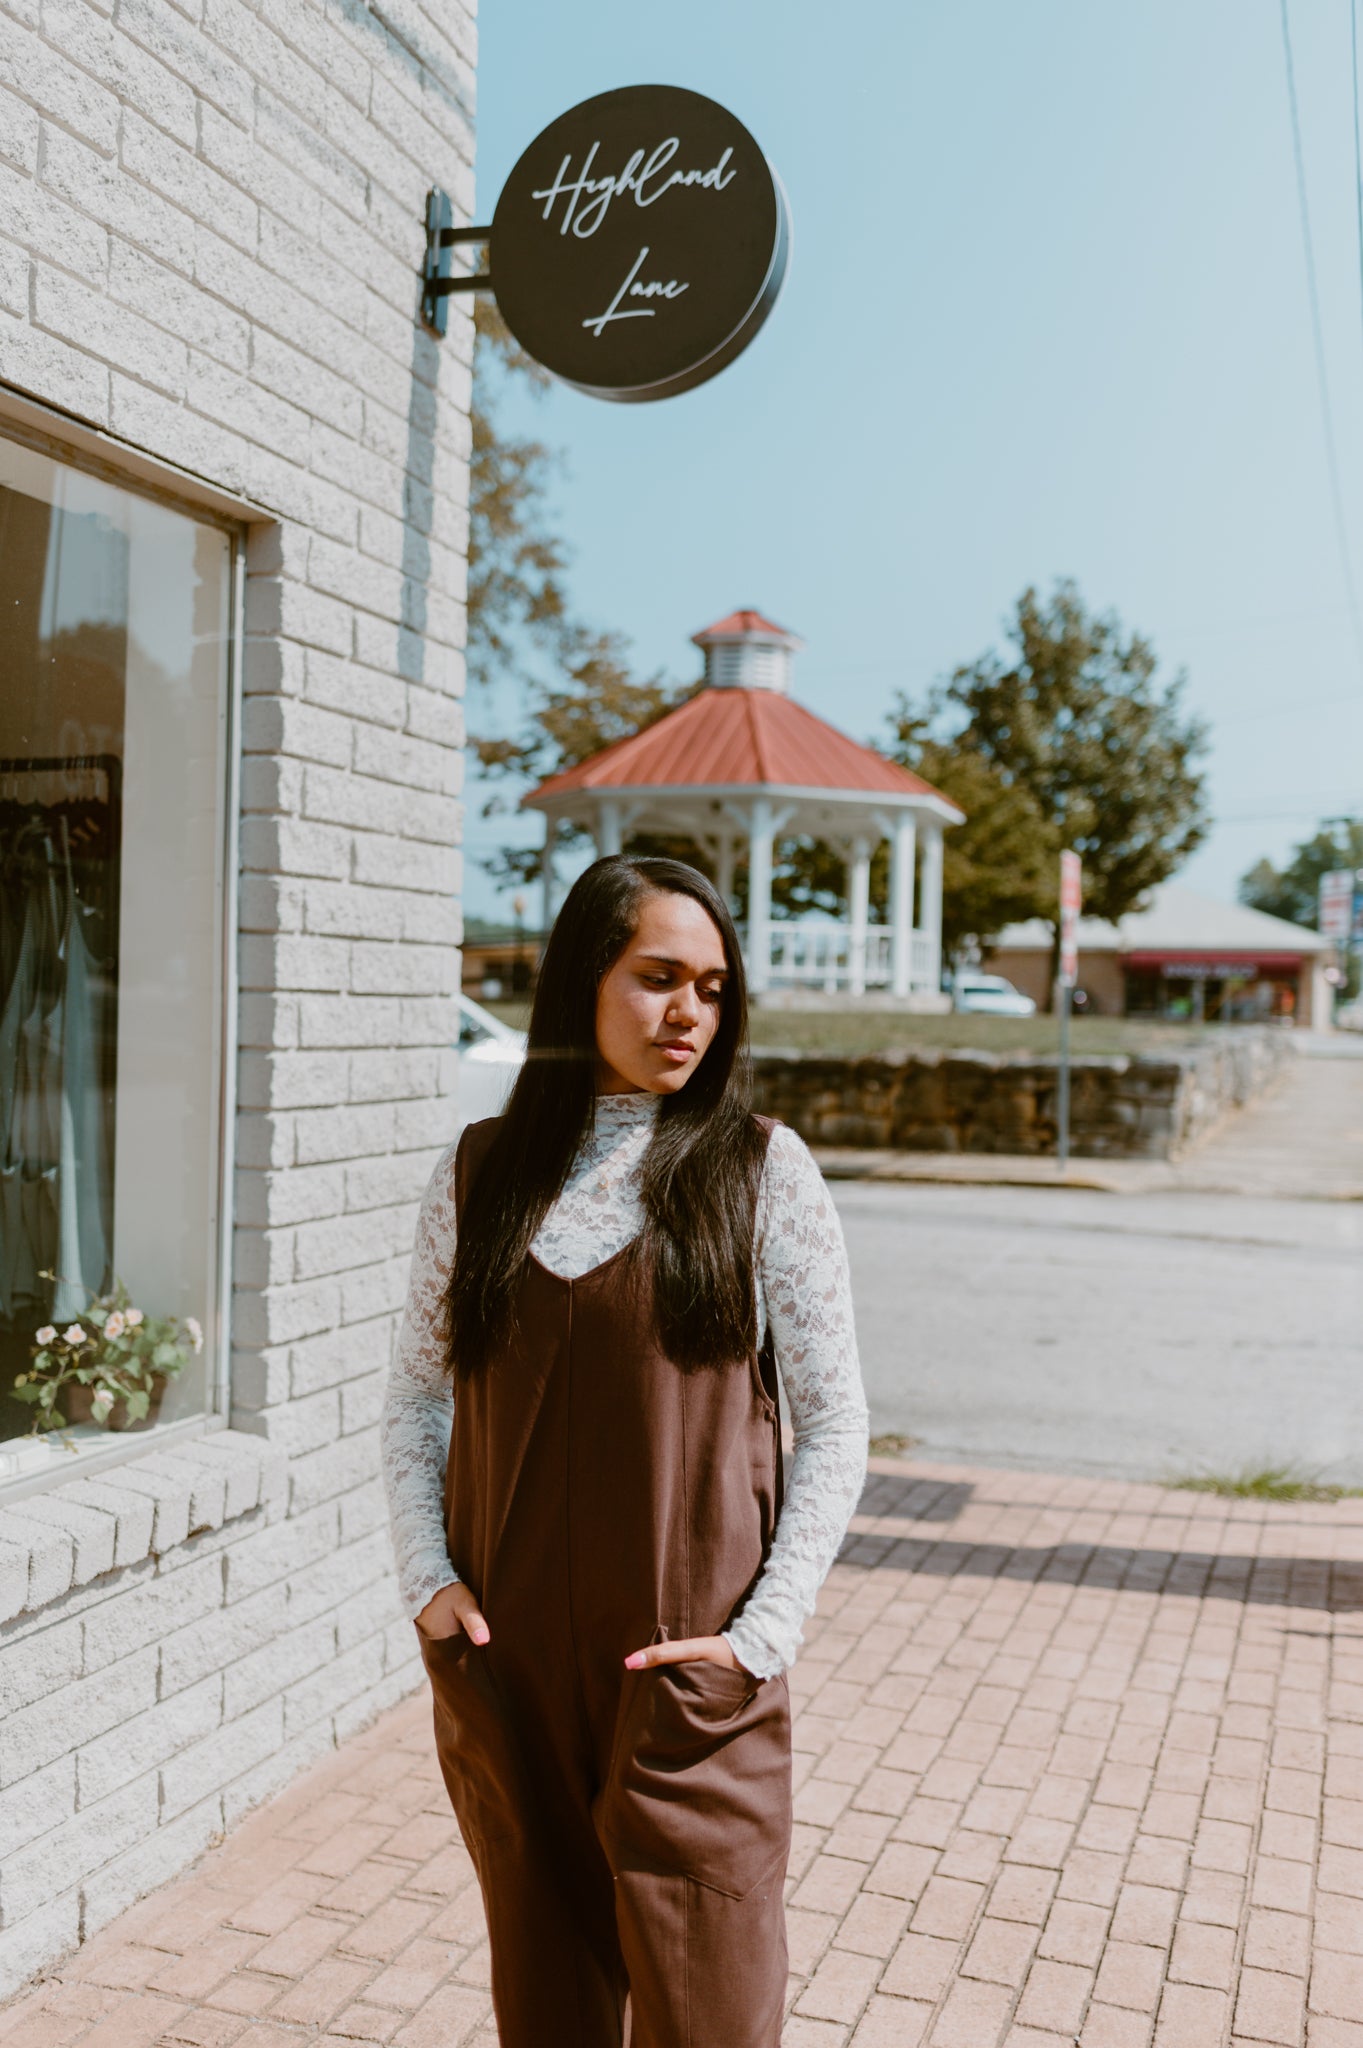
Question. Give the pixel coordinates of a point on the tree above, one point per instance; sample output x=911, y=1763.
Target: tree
x=1292, y=891
x=571, y=684
x=1076, y=721
x=516, y=561
x=999, y=867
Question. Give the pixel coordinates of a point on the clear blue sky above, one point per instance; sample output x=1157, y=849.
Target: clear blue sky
x=1046, y=314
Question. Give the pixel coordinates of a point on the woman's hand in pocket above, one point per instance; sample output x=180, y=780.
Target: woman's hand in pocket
x=689, y=1650
x=453, y=1611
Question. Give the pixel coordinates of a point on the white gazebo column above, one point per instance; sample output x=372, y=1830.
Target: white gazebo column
x=607, y=834
x=859, y=904
x=760, y=837
x=724, y=868
x=902, y=845
x=547, y=870
x=932, y=904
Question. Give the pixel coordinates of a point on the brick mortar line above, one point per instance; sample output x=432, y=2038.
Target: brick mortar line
x=1313, y=1895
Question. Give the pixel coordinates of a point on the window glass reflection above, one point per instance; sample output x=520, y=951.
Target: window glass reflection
x=113, y=658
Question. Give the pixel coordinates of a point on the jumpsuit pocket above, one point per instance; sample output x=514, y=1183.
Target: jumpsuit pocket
x=699, y=1784
x=478, y=1756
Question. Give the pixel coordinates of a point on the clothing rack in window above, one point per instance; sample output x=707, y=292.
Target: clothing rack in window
x=60, y=858
x=58, y=764
x=98, y=855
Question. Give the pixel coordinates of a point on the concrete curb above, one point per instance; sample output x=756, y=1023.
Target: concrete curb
x=1107, y=1177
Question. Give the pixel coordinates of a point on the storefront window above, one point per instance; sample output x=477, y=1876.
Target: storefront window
x=1232, y=995
x=114, y=642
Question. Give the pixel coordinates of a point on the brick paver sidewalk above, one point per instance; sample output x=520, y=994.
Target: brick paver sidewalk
x=1077, y=1762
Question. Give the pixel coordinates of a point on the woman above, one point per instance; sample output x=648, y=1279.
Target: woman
x=582, y=1454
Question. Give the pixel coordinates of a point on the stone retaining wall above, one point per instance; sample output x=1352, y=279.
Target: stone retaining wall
x=1122, y=1107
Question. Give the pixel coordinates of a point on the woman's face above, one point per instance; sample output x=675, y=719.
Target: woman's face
x=657, y=1008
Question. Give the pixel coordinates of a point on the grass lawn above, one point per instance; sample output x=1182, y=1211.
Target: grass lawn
x=856, y=1031
x=864, y=1031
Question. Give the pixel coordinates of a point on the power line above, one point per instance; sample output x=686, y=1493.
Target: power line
x=1358, y=146
x=1326, y=410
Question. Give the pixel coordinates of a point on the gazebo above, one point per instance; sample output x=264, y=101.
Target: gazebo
x=741, y=764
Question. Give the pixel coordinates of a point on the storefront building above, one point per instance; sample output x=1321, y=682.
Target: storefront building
x=499, y=962
x=1185, y=958
x=233, y=488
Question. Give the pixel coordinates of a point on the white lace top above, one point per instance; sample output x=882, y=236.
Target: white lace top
x=803, y=1296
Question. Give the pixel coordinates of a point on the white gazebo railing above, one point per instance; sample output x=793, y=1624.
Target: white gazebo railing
x=835, y=956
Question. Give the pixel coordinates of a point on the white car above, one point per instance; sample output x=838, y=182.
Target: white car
x=491, y=1054
x=991, y=995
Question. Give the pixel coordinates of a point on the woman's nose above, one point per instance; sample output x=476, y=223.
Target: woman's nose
x=685, y=1004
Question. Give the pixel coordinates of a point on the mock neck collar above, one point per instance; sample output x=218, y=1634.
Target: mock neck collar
x=638, y=1106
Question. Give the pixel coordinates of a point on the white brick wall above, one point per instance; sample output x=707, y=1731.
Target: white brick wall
x=149, y=1706
x=211, y=224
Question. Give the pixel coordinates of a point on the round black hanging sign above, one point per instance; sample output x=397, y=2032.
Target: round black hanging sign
x=639, y=243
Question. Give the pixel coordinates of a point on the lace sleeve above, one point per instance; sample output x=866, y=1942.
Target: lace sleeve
x=418, y=1409
x=807, y=1289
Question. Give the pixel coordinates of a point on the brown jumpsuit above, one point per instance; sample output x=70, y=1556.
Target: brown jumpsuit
x=630, y=1829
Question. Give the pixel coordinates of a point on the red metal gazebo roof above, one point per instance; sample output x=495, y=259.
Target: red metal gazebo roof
x=737, y=625
x=723, y=738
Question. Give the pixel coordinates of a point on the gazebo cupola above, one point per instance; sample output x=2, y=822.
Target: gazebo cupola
x=742, y=764
x=747, y=652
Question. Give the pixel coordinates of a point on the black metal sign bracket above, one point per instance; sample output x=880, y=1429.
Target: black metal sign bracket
x=437, y=280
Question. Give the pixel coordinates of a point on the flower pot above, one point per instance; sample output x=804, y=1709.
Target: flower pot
x=77, y=1405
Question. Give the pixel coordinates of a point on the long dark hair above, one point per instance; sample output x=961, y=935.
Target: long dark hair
x=704, y=1161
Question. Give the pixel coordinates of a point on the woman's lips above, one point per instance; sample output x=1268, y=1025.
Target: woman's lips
x=677, y=1050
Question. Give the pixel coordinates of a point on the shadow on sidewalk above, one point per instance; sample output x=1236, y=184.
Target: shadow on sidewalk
x=1085, y=1555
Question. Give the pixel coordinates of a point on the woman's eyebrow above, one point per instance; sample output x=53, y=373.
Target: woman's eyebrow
x=666, y=960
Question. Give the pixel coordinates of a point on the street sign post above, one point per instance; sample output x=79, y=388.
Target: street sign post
x=1335, y=914
x=1071, y=895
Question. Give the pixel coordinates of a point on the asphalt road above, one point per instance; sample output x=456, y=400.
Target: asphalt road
x=1142, y=1336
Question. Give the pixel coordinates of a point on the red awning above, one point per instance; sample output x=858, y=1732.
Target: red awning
x=1215, y=961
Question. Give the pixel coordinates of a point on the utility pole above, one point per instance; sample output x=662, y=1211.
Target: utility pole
x=517, y=966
